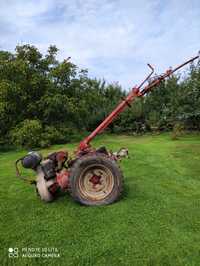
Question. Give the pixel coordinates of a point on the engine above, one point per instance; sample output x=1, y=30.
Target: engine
x=51, y=173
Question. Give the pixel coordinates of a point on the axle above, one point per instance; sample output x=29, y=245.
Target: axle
x=137, y=91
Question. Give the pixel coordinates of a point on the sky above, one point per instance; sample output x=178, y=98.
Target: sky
x=113, y=39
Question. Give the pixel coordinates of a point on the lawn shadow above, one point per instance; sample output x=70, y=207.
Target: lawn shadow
x=129, y=192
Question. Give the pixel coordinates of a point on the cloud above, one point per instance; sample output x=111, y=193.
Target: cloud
x=113, y=39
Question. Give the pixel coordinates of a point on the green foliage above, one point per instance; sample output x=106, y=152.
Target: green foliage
x=27, y=133
x=66, y=102
x=53, y=135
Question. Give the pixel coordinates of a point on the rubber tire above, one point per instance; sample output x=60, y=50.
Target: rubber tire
x=85, y=161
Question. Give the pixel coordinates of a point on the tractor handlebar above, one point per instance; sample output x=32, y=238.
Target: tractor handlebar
x=147, y=78
x=135, y=92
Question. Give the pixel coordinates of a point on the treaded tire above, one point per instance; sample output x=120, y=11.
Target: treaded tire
x=93, y=194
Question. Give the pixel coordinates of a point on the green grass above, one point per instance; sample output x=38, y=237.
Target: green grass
x=156, y=223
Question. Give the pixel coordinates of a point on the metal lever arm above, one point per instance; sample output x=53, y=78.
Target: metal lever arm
x=135, y=92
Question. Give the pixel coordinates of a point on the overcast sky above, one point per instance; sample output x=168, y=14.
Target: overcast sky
x=112, y=39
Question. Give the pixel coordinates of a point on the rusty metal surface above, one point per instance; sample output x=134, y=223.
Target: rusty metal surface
x=96, y=182
x=137, y=91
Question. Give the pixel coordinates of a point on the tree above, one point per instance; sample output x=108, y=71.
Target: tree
x=63, y=100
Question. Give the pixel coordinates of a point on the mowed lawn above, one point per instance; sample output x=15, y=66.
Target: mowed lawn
x=157, y=222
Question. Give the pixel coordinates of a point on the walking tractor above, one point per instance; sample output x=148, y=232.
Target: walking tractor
x=93, y=176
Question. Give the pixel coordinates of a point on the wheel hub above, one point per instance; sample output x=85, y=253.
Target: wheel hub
x=96, y=182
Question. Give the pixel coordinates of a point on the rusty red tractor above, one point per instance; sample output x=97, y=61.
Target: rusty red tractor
x=93, y=176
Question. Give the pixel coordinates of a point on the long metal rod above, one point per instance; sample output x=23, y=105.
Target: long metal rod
x=135, y=92
x=167, y=74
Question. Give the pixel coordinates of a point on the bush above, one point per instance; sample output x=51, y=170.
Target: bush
x=50, y=136
x=66, y=134
x=27, y=134
x=30, y=134
x=60, y=135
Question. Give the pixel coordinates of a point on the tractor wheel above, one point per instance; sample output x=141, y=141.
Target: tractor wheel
x=95, y=180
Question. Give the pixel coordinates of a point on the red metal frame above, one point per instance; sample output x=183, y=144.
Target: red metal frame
x=135, y=92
